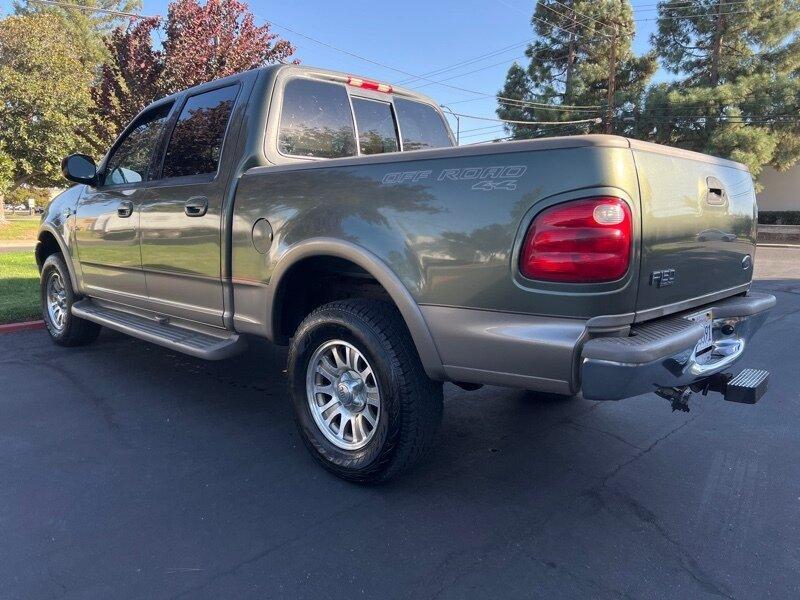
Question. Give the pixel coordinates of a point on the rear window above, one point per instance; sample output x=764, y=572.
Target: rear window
x=376, y=131
x=196, y=143
x=421, y=125
x=316, y=120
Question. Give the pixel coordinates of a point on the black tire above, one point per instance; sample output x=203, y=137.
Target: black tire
x=411, y=403
x=74, y=331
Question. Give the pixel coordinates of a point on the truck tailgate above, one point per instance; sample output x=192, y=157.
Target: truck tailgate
x=698, y=228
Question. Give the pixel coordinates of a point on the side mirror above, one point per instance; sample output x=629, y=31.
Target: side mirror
x=80, y=169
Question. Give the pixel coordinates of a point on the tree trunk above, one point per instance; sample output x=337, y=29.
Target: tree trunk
x=612, y=81
x=3, y=220
x=570, y=59
x=716, y=45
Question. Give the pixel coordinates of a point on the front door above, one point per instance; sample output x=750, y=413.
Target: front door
x=181, y=216
x=107, y=223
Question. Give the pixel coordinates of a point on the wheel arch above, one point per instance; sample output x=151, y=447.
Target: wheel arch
x=373, y=266
x=49, y=242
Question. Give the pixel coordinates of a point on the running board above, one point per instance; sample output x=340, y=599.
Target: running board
x=180, y=339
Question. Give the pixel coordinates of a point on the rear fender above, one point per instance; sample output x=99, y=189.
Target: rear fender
x=410, y=311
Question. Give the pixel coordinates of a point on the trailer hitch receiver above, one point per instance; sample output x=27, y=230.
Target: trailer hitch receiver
x=746, y=388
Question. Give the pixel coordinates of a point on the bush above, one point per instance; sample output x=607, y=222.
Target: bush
x=779, y=217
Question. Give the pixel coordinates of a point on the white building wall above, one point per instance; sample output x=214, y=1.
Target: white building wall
x=781, y=190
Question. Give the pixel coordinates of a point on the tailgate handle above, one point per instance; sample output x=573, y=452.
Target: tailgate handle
x=716, y=192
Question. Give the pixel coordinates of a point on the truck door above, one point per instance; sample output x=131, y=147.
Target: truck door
x=107, y=216
x=181, y=217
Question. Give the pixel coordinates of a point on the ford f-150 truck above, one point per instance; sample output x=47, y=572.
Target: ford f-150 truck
x=335, y=214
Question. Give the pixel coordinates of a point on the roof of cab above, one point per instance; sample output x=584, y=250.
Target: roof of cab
x=342, y=76
x=301, y=70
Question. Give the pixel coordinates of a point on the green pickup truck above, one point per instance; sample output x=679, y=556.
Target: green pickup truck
x=335, y=214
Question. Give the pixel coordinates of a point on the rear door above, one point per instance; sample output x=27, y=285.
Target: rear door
x=181, y=217
x=698, y=227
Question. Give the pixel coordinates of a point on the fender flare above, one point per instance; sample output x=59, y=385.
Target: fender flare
x=409, y=309
x=48, y=228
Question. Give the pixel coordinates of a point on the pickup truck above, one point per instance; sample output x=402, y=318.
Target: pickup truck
x=336, y=215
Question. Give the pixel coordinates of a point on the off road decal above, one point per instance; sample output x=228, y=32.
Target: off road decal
x=502, y=177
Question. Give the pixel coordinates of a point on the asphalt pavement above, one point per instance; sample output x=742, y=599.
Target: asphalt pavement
x=129, y=471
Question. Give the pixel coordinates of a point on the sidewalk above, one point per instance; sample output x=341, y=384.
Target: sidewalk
x=17, y=245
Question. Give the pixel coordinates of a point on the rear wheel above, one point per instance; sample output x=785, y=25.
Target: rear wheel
x=57, y=299
x=364, y=406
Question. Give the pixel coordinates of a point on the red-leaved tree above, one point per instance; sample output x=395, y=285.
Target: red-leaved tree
x=200, y=43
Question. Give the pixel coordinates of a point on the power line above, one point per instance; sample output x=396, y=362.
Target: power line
x=404, y=72
x=514, y=122
x=688, y=5
x=582, y=15
x=480, y=128
x=497, y=129
x=337, y=49
x=468, y=61
x=419, y=87
x=541, y=20
x=695, y=16
x=118, y=13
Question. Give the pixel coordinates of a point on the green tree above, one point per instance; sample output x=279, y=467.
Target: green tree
x=581, y=57
x=47, y=104
x=201, y=42
x=87, y=30
x=738, y=92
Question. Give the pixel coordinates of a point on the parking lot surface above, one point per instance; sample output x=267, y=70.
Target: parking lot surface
x=129, y=471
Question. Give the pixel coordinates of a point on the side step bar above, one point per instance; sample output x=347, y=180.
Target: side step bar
x=181, y=339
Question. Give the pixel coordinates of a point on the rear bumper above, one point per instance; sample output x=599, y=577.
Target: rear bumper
x=661, y=353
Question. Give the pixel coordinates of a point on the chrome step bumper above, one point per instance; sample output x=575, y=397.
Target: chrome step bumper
x=661, y=353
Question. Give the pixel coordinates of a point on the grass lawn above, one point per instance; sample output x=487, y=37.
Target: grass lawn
x=19, y=228
x=19, y=287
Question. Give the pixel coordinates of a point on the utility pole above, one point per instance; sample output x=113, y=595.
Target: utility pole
x=612, y=80
x=458, y=122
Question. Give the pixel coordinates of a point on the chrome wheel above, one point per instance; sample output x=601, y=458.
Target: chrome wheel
x=343, y=395
x=56, y=301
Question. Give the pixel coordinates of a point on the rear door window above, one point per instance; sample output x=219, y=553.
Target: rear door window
x=196, y=142
x=316, y=120
x=421, y=125
x=376, y=129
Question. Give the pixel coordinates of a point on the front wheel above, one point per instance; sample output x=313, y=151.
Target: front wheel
x=57, y=299
x=364, y=406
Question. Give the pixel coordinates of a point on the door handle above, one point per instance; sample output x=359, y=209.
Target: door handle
x=196, y=207
x=715, y=194
x=125, y=209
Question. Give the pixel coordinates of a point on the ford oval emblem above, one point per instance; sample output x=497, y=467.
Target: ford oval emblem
x=747, y=262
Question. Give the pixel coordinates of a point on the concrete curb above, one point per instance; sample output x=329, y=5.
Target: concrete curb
x=24, y=326
x=778, y=234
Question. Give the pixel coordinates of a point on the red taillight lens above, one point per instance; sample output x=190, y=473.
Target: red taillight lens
x=584, y=241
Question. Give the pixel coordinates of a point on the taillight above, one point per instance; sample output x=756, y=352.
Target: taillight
x=369, y=85
x=583, y=241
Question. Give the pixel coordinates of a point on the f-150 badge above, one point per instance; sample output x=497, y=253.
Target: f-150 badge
x=662, y=278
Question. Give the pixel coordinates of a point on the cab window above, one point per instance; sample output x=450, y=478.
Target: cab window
x=316, y=120
x=421, y=125
x=131, y=159
x=376, y=129
x=196, y=142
